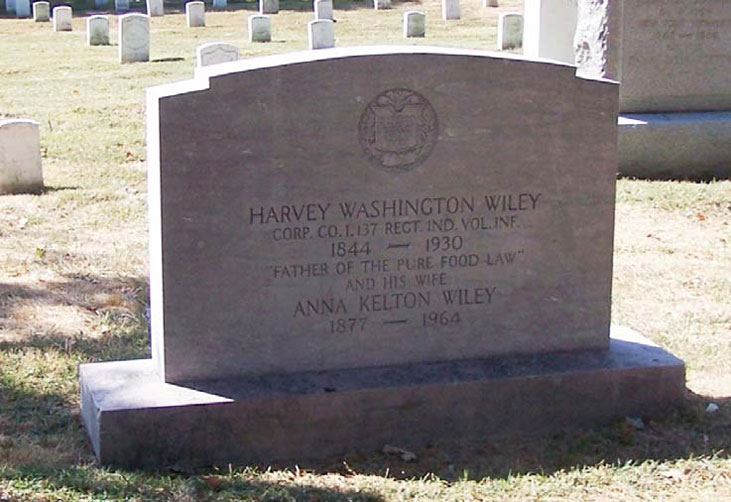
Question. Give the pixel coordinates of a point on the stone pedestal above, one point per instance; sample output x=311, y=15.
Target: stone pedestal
x=136, y=420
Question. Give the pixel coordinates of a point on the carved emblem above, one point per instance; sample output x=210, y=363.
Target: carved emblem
x=398, y=129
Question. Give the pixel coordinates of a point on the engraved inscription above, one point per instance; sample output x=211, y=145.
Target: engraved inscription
x=430, y=262
x=398, y=129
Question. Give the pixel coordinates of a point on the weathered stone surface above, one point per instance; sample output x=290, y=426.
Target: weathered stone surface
x=135, y=420
x=324, y=9
x=450, y=9
x=20, y=157
x=214, y=53
x=62, y=18
x=670, y=55
x=260, y=28
x=97, y=30
x=321, y=34
x=549, y=28
x=134, y=38
x=155, y=8
x=675, y=145
x=22, y=8
x=526, y=265
x=381, y=4
x=195, y=14
x=414, y=24
x=268, y=6
x=41, y=12
x=121, y=5
x=509, y=30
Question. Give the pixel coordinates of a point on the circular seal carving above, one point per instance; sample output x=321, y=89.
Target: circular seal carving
x=398, y=129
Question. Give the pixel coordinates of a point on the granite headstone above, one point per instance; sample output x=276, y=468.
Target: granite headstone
x=394, y=258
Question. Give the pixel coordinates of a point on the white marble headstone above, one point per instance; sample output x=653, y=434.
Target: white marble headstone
x=62, y=18
x=414, y=24
x=509, y=30
x=214, y=53
x=450, y=9
x=321, y=34
x=324, y=9
x=381, y=4
x=195, y=14
x=22, y=8
x=155, y=8
x=97, y=30
x=260, y=28
x=268, y=6
x=20, y=151
x=134, y=38
x=41, y=12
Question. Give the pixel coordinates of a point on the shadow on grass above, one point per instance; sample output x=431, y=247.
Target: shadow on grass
x=41, y=415
x=50, y=189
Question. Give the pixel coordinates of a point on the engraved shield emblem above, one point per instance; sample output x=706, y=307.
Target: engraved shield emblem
x=398, y=129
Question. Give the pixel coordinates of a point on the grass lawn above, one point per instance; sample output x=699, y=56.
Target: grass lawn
x=74, y=289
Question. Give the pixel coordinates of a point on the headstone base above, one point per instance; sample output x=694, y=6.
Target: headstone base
x=134, y=420
x=675, y=145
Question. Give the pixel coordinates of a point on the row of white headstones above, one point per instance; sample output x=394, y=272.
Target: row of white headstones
x=134, y=34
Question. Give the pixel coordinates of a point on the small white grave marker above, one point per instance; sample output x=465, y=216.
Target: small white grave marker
x=121, y=5
x=134, y=38
x=22, y=8
x=260, y=28
x=195, y=14
x=414, y=24
x=321, y=34
x=381, y=4
x=20, y=151
x=214, y=53
x=155, y=8
x=324, y=9
x=450, y=10
x=97, y=30
x=41, y=12
x=62, y=18
x=510, y=30
x=268, y=6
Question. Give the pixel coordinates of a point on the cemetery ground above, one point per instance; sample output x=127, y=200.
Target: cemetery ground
x=74, y=289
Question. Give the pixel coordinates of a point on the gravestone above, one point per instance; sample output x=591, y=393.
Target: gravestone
x=450, y=10
x=324, y=9
x=214, y=53
x=97, y=30
x=41, y=12
x=121, y=5
x=509, y=30
x=195, y=14
x=549, y=27
x=134, y=38
x=220, y=4
x=381, y=4
x=414, y=24
x=321, y=34
x=155, y=8
x=268, y=6
x=260, y=28
x=407, y=255
x=62, y=18
x=22, y=8
x=672, y=58
x=490, y=3
x=20, y=157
